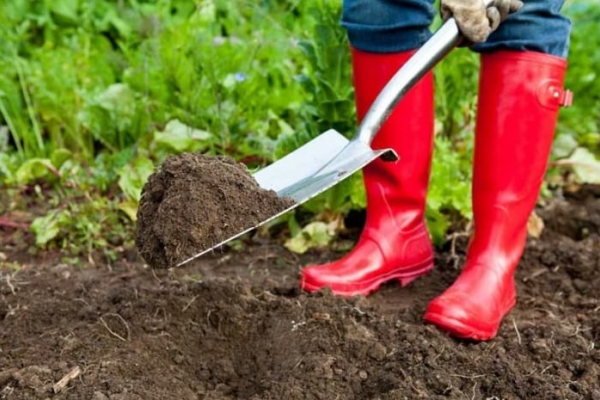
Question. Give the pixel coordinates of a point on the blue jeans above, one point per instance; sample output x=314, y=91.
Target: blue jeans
x=389, y=26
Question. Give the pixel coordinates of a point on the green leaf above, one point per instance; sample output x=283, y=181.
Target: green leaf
x=4, y=137
x=6, y=165
x=437, y=223
x=129, y=207
x=450, y=185
x=315, y=234
x=48, y=227
x=180, y=137
x=59, y=156
x=34, y=168
x=206, y=11
x=120, y=25
x=116, y=97
x=65, y=9
x=134, y=176
x=564, y=145
x=584, y=164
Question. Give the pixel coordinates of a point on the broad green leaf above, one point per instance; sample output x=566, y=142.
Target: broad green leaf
x=564, y=145
x=59, y=156
x=180, y=137
x=134, y=176
x=116, y=97
x=34, y=168
x=119, y=24
x=315, y=234
x=129, y=207
x=65, y=9
x=48, y=227
x=584, y=164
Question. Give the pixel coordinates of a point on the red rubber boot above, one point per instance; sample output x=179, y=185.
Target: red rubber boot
x=394, y=243
x=519, y=97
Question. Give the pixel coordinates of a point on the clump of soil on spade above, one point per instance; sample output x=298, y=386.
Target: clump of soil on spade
x=194, y=202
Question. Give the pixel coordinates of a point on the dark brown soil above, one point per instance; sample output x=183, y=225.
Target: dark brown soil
x=234, y=326
x=194, y=202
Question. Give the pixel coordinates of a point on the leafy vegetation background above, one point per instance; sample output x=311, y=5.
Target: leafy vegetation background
x=95, y=94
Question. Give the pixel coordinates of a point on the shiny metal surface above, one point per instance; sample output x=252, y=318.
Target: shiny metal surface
x=293, y=180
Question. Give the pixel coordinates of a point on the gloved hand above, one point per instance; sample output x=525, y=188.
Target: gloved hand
x=475, y=21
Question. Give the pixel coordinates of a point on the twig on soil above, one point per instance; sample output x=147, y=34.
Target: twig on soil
x=12, y=224
x=590, y=347
x=189, y=303
x=72, y=374
x=358, y=310
x=467, y=377
x=474, y=394
x=453, y=256
x=6, y=391
x=298, y=363
x=516, y=330
x=440, y=353
x=418, y=391
x=12, y=310
x=10, y=285
x=82, y=300
x=155, y=276
x=208, y=314
x=546, y=369
x=535, y=274
x=113, y=332
x=577, y=330
x=224, y=259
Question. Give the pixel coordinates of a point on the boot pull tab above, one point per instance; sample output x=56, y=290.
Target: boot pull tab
x=551, y=94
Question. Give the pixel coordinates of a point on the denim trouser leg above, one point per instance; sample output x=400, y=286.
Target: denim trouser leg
x=387, y=26
x=538, y=26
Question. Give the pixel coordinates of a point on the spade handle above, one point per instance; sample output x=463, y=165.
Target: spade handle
x=446, y=38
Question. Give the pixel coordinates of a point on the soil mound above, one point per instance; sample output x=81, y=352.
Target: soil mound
x=194, y=202
x=235, y=326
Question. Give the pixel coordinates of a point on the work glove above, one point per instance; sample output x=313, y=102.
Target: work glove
x=475, y=21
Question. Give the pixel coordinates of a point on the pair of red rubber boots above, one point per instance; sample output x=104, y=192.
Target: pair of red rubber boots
x=520, y=94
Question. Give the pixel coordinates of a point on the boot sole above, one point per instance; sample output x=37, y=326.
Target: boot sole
x=365, y=288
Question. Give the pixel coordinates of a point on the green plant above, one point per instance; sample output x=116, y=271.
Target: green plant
x=577, y=145
x=95, y=94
